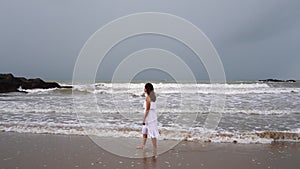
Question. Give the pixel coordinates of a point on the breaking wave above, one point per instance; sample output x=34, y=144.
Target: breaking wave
x=166, y=134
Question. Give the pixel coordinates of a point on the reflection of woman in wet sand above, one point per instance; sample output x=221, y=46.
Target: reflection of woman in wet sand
x=151, y=163
x=150, y=118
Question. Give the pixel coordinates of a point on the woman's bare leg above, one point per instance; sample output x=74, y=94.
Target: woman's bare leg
x=144, y=142
x=154, y=143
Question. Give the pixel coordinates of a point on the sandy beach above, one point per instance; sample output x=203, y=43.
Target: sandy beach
x=29, y=151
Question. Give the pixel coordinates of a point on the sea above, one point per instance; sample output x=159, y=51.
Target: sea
x=253, y=112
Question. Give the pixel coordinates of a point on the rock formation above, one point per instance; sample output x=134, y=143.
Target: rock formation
x=9, y=83
x=277, y=80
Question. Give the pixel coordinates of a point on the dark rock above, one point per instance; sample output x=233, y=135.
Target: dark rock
x=291, y=81
x=67, y=87
x=9, y=83
x=277, y=80
x=38, y=83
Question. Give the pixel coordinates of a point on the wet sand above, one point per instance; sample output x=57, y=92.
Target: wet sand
x=27, y=151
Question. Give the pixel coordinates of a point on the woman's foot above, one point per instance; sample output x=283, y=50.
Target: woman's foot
x=140, y=147
x=154, y=152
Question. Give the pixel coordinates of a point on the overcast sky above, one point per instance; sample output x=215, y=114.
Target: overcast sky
x=255, y=39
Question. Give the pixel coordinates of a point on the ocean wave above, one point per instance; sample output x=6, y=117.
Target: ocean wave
x=71, y=112
x=166, y=134
x=37, y=90
x=261, y=112
x=159, y=91
x=135, y=89
x=174, y=88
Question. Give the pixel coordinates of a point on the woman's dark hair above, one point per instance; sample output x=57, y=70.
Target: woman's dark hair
x=150, y=91
x=149, y=88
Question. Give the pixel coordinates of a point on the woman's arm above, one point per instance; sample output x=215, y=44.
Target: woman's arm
x=148, y=100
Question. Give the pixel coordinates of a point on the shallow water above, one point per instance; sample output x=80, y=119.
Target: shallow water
x=250, y=108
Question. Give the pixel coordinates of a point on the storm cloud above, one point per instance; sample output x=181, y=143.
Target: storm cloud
x=255, y=39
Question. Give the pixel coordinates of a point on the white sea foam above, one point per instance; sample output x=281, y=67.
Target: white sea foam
x=168, y=88
x=166, y=134
x=36, y=90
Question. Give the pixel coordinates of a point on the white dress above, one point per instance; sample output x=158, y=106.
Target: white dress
x=151, y=126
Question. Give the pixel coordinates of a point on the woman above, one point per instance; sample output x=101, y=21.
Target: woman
x=150, y=118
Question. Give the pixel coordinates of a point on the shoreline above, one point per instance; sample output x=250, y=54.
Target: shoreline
x=259, y=137
x=27, y=150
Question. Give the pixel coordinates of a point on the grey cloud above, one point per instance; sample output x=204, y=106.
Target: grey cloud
x=255, y=39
